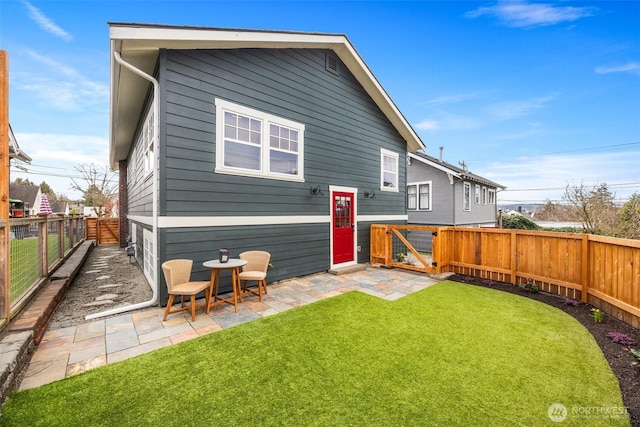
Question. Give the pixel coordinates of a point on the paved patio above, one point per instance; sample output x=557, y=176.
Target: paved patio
x=69, y=351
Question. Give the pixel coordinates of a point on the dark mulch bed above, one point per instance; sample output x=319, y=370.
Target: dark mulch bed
x=618, y=356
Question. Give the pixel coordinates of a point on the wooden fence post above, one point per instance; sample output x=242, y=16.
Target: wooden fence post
x=5, y=249
x=514, y=256
x=584, y=294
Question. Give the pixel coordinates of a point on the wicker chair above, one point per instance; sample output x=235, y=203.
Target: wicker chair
x=255, y=270
x=177, y=274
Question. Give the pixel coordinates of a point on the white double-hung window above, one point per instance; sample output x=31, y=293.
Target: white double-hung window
x=388, y=170
x=254, y=143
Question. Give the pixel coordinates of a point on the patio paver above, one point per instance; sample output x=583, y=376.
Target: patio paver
x=69, y=351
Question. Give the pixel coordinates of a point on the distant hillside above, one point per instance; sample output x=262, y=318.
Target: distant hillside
x=526, y=207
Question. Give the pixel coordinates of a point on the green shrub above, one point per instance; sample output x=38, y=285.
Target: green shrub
x=518, y=222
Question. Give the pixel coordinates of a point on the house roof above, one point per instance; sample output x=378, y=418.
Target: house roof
x=14, y=150
x=25, y=193
x=139, y=45
x=453, y=170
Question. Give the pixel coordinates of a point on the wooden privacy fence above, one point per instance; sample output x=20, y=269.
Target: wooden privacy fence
x=105, y=231
x=602, y=271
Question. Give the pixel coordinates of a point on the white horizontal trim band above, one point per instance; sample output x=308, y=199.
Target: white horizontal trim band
x=230, y=221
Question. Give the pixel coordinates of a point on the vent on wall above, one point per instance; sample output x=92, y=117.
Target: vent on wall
x=332, y=63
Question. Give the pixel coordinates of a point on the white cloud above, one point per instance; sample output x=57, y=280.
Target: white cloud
x=453, y=98
x=70, y=149
x=520, y=14
x=427, y=125
x=61, y=86
x=55, y=156
x=631, y=67
x=537, y=178
x=45, y=23
x=448, y=121
x=513, y=109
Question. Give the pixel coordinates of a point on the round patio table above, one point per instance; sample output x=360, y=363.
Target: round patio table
x=216, y=266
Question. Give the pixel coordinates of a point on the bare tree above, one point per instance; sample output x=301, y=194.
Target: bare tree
x=98, y=186
x=551, y=211
x=594, y=208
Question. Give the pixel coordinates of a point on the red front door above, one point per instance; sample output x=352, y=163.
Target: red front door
x=343, y=227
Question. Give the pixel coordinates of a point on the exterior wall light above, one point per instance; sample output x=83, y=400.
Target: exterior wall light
x=316, y=191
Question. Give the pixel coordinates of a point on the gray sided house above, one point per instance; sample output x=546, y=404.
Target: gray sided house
x=441, y=194
x=243, y=139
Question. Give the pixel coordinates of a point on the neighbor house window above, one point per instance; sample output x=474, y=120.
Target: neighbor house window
x=412, y=199
x=389, y=170
x=484, y=195
x=492, y=196
x=254, y=143
x=424, y=199
x=146, y=140
x=419, y=196
x=477, y=194
x=466, y=196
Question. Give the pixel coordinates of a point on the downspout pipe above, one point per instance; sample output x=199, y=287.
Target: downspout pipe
x=156, y=135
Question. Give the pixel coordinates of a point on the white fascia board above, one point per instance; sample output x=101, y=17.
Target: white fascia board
x=149, y=38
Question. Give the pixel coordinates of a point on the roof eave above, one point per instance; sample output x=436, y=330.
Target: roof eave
x=140, y=44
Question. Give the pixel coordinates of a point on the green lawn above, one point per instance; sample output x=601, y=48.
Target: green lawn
x=25, y=266
x=452, y=354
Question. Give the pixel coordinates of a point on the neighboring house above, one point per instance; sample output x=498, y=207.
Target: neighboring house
x=30, y=195
x=440, y=194
x=245, y=139
x=14, y=150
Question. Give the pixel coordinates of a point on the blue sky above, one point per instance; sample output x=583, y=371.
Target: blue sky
x=533, y=95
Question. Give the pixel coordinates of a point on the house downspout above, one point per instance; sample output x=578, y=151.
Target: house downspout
x=156, y=135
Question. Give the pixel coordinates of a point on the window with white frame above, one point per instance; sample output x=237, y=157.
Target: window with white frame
x=419, y=196
x=148, y=263
x=412, y=197
x=254, y=143
x=146, y=140
x=424, y=196
x=477, y=194
x=388, y=170
x=466, y=196
x=492, y=196
x=484, y=195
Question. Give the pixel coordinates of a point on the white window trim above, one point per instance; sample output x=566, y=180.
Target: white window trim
x=468, y=207
x=148, y=261
x=266, y=120
x=412, y=184
x=384, y=153
x=146, y=139
x=484, y=195
x=490, y=201
x=476, y=194
x=417, y=185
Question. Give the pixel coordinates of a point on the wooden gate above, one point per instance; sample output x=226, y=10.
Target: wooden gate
x=405, y=246
x=105, y=231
